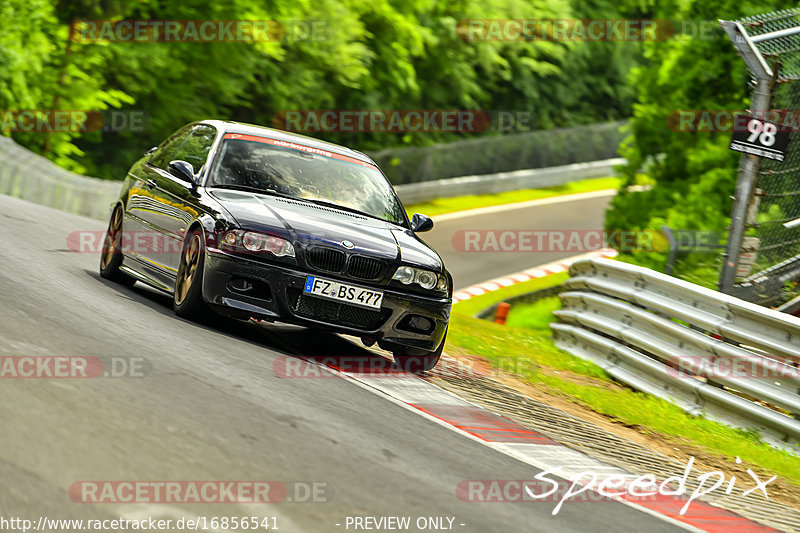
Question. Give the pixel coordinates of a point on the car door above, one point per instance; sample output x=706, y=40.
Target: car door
x=142, y=236
x=171, y=200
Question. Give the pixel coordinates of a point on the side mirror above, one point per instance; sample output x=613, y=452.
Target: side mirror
x=182, y=170
x=151, y=150
x=420, y=223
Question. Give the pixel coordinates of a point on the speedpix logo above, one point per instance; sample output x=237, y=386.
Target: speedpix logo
x=588, y=486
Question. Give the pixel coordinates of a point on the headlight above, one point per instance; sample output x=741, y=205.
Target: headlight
x=258, y=242
x=404, y=275
x=424, y=278
x=252, y=241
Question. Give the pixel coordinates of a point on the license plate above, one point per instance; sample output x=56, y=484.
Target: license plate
x=343, y=292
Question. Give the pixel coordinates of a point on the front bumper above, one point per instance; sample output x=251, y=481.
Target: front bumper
x=276, y=294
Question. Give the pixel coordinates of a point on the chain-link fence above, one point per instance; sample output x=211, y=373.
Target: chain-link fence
x=764, y=253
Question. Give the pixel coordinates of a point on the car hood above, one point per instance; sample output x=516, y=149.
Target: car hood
x=309, y=224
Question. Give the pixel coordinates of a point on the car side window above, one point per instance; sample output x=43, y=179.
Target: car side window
x=163, y=155
x=195, y=148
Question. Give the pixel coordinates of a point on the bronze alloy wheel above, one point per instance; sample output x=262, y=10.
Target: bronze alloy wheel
x=111, y=243
x=188, y=271
x=187, y=299
x=111, y=254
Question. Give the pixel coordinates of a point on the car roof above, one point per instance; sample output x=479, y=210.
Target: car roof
x=271, y=133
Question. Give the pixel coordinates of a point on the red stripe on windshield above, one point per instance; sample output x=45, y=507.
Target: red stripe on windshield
x=298, y=147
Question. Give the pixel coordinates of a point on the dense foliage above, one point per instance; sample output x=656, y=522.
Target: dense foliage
x=695, y=172
x=398, y=55
x=367, y=54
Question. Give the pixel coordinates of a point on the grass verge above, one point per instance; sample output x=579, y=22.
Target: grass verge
x=461, y=203
x=532, y=356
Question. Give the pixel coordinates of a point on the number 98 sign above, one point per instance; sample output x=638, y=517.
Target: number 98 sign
x=761, y=138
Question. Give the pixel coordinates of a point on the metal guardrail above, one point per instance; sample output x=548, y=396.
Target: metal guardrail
x=492, y=154
x=667, y=337
x=31, y=177
x=534, y=178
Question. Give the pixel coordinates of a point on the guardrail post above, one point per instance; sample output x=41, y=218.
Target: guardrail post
x=673, y=250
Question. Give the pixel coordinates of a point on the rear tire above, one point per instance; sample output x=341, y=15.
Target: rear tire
x=111, y=254
x=187, y=299
x=418, y=361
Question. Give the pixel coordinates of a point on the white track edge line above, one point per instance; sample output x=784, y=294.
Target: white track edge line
x=523, y=459
x=522, y=205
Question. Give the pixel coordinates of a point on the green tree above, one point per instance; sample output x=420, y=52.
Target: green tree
x=694, y=172
x=382, y=54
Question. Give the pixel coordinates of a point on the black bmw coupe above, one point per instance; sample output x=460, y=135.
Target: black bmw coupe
x=253, y=222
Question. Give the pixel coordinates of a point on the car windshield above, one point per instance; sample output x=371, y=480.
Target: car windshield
x=305, y=173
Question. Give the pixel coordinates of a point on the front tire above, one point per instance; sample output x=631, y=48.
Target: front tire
x=187, y=299
x=111, y=254
x=418, y=361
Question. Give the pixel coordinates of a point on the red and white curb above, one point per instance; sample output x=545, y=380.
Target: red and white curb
x=538, y=450
x=526, y=275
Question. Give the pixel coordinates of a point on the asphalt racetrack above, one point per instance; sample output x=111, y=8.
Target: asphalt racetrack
x=208, y=405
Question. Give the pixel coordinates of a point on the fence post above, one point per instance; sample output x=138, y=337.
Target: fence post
x=750, y=164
